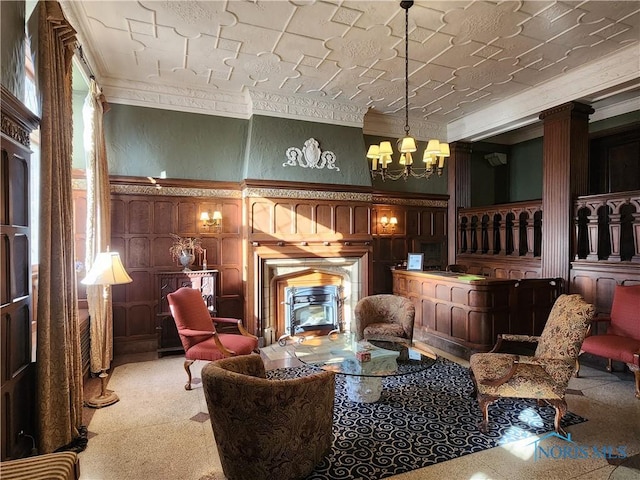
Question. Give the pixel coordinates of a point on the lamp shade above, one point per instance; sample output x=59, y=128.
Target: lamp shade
x=374, y=151
x=217, y=215
x=386, y=149
x=107, y=269
x=204, y=216
x=444, y=150
x=408, y=145
x=433, y=147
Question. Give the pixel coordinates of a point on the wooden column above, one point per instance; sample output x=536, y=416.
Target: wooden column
x=459, y=188
x=565, y=176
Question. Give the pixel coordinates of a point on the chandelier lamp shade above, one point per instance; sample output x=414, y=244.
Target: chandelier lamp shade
x=381, y=155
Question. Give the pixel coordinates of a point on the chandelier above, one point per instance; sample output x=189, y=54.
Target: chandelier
x=435, y=151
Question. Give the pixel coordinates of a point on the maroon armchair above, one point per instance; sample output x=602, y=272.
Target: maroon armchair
x=197, y=331
x=621, y=342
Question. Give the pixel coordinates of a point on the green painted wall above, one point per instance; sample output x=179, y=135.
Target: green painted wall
x=614, y=122
x=526, y=170
x=145, y=141
x=519, y=180
x=271, y=137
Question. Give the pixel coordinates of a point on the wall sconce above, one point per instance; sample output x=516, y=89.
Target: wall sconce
x=387, y=222
x=212, y=220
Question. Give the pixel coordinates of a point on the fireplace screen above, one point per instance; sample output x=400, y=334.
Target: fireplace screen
x=313, y=310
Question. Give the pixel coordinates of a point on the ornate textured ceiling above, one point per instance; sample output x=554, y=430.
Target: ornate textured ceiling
x=476, y=67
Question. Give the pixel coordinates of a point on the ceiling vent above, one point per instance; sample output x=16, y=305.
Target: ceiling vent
x=495, y=159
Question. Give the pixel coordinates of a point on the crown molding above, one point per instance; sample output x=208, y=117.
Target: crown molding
x=306, y=108
x=524, y=108
x=186, y=99
x=232, y=104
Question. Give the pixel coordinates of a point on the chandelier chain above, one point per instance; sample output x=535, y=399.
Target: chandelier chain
x=435, y=151
x=406, y=71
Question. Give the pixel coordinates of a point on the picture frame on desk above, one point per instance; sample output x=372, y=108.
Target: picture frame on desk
x=414, y=261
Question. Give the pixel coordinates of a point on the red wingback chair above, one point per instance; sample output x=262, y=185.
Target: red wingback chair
x=622, y=340
x=197, y=330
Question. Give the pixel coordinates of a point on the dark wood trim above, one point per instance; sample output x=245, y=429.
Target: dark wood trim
x=173, y=182
x=285, y=185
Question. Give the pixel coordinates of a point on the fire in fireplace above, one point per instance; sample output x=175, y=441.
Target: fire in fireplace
x=312, y=311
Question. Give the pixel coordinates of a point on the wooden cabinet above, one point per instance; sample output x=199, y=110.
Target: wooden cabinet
x=17, y=369
x=168, y=282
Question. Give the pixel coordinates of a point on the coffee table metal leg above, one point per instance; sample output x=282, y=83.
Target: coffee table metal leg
x=363, y=389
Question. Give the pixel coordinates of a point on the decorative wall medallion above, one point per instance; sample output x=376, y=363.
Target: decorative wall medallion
x=313, y=157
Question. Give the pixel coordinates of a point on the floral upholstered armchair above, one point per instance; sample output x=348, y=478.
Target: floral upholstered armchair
x=268, y=429
x=543, y=376
x=384, y=317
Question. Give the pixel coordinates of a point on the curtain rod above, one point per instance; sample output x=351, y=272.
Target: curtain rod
x=84, y=63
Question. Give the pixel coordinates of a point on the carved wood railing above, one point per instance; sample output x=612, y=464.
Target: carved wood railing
x=513, y=229
x=608, y=227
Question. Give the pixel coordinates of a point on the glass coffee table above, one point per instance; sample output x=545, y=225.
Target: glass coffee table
x=364, y=363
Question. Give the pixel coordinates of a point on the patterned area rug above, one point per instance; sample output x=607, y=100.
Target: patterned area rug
x=421, y=419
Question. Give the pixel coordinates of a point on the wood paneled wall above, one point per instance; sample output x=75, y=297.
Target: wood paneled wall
x=596, y=281
x=140, y=230
x=293, y=220
x=419, y=230
x=143, y=217
x=306, y=221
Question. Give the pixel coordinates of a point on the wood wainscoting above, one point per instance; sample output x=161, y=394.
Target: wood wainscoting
x=260, y=219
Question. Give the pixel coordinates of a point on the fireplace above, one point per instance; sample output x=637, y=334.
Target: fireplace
x=328, y=289
x=312, y=310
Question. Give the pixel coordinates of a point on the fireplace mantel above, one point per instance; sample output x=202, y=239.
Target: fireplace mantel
x=350, y=264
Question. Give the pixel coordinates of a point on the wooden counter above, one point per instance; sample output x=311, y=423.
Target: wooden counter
x=463, y=314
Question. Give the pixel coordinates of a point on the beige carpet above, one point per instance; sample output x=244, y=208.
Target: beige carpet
x=160, y=431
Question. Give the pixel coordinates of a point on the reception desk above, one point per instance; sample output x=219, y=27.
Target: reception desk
x=463, y=314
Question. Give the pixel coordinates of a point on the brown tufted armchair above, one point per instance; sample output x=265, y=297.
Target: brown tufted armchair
x=384, y=317
x=268, y=429
x=546, y=374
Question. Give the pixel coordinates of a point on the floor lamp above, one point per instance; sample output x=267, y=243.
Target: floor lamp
x=107, y=270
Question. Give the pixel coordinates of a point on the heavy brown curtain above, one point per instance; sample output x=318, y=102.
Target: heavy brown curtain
x=98, y=225
x=58, y=357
